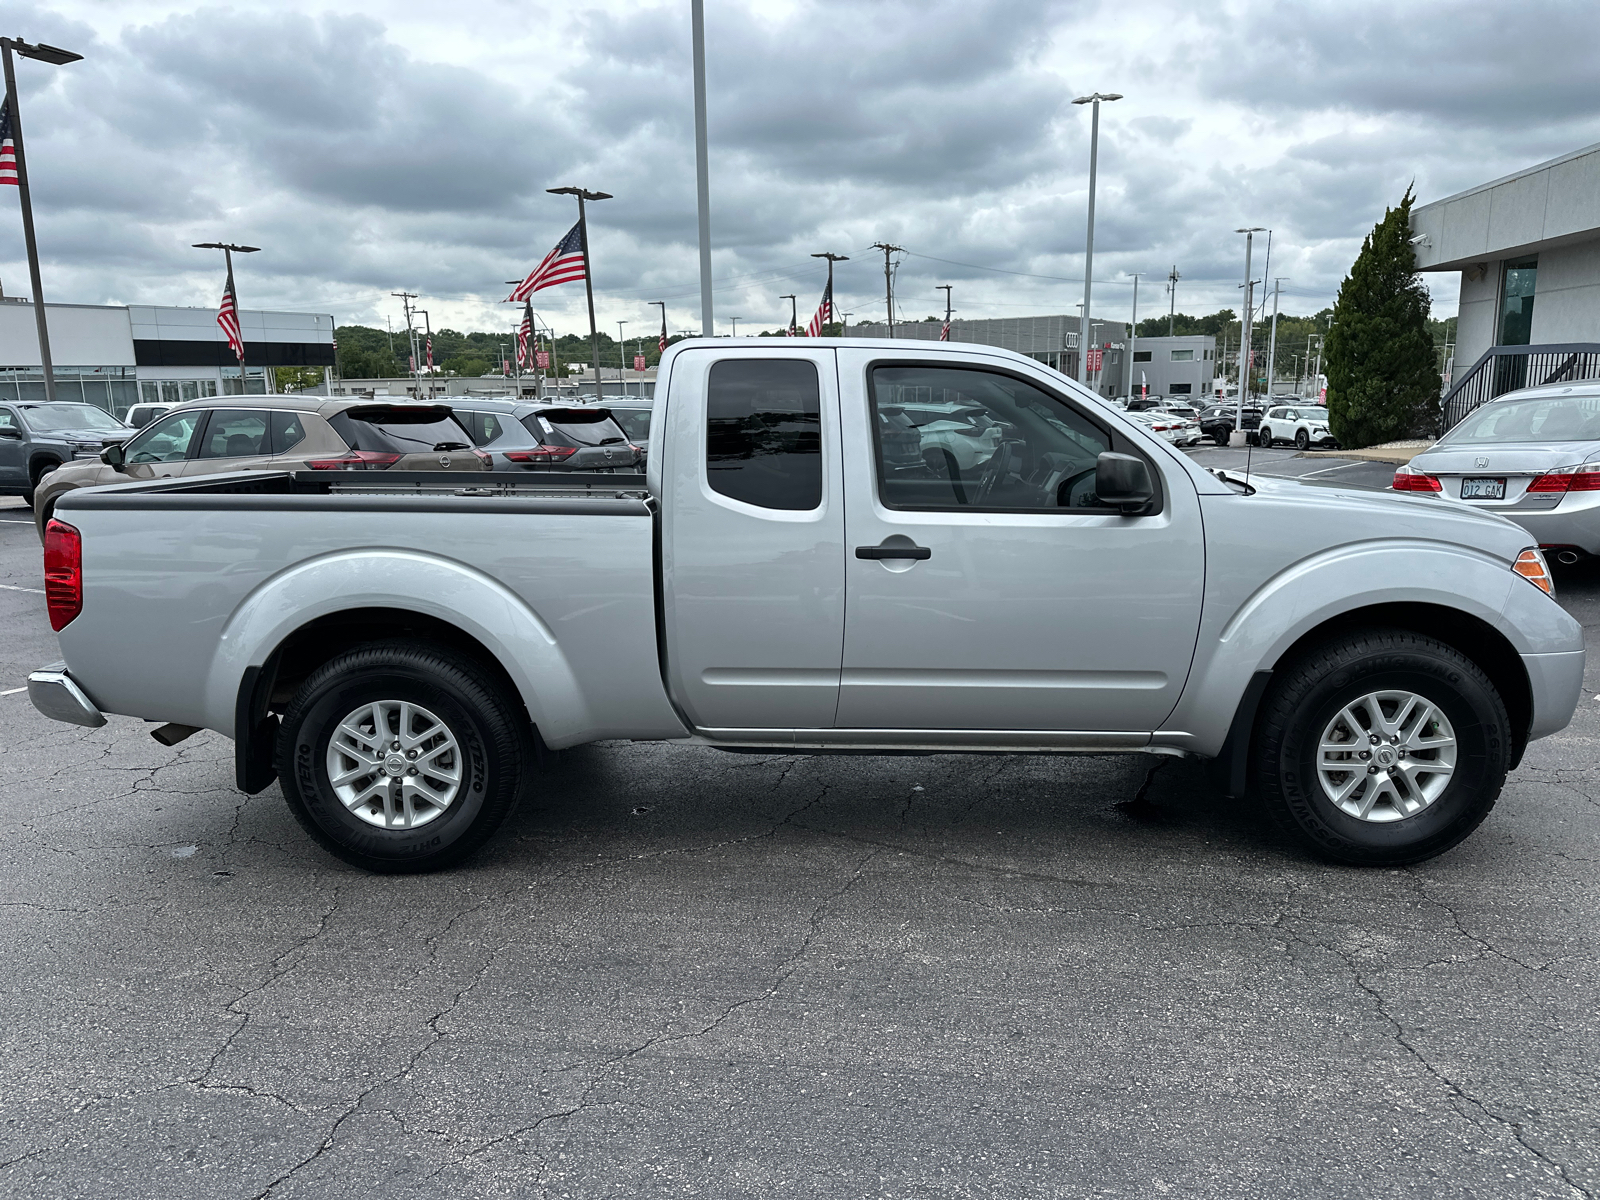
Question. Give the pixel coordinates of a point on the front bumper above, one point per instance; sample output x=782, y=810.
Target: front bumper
x=57, y=696
x=1556, y=682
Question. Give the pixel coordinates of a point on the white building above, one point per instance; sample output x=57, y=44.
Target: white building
x=115, y=357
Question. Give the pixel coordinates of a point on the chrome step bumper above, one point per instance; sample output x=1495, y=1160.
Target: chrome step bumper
x=55, y=695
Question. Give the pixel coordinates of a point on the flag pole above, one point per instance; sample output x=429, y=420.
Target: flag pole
x=588, y=268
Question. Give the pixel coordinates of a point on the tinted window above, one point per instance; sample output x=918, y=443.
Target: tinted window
x=635, y=422
x=574, y=427
x=484, y=427
x=394, y=429
x=764, y=433
x=7, y=420
x=1180, y=389
x=234, y=433
x=994, y=442
x=288, y=431
x=165, y=441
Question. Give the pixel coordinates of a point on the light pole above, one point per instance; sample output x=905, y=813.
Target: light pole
x=832, y=306
x=1088, y=253
x=661, y=346
x=1172, y=291
x=735, y=321
x=1236, y=438
x=57, y=57
x=794, y=312
x=702, y=160
x=944, y=330
x=588, y=266
x=622, y=359
x=1272, y=341
x=228, y=249
x=427, y=326
x=888, y=279
x=1133, y=329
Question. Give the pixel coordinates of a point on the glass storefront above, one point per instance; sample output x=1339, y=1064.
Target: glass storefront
x=255, y=381
x=113, y=389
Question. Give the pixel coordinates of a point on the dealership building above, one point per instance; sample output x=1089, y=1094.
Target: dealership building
x=115, y=357
x=1172, y=367
x=1527, y=250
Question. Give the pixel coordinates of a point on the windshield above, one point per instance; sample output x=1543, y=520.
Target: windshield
x=1540, y=419
x=72, y=417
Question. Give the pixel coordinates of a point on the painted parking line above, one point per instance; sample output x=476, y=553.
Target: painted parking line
x=13, y=691
x=11, y=587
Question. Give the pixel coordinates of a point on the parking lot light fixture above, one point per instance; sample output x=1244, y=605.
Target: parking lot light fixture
x=56, y=57
x=1088, y=247
x=1237, y=437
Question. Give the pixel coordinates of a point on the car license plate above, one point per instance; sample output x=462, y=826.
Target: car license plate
x=1483, y=489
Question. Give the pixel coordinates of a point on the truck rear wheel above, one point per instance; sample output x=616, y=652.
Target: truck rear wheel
x=401, y=757
x=1382, y=747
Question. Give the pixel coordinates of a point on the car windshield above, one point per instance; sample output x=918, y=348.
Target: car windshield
x=1538, y=419
x=72, y=417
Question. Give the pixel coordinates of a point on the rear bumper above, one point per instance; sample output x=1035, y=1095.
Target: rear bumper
x=1556, y=684
x=57, y=696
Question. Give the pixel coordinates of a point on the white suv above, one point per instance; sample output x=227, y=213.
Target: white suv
x=1305, y=425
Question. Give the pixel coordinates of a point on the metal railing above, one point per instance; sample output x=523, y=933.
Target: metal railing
x=1504, y=369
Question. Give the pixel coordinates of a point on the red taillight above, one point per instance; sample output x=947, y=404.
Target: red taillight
x=1585, y=478
x=541, y=454
x=1408, y=480
x=486, y=461
x=63, y=573
x=356, y=460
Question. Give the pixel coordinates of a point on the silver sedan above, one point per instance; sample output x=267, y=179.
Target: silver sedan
x=1532, y=456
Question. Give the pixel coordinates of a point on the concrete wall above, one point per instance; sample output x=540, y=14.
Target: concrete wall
x=1566, y=301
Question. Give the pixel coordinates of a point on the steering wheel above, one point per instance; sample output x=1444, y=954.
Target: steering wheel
x=1064, y=488
x=995, y=469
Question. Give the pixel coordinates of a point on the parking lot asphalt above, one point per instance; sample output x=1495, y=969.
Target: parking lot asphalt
x=681, y=972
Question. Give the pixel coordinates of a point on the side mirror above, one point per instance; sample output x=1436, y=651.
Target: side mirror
x=7, y=431
x=114, y=455
x=1123, y=481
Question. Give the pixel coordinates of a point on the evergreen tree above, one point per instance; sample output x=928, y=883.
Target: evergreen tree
x=1383, y=381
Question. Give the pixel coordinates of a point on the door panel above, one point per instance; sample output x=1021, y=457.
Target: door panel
x=753, y=538
x=1032, y=610
x=13, y=451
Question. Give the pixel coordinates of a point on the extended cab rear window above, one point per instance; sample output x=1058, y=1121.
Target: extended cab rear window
x=574, y=427
x=397, y=429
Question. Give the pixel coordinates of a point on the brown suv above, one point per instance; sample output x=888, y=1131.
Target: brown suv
x=275, y=433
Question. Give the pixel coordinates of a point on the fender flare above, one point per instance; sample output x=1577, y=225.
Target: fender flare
x=1314, y=592
x=408, y=581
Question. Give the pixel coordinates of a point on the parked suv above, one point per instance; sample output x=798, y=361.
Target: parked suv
x=1216, y=421
x=38, y=438
x=1304, y=425
x=141, y=415
x=525, y=435
x=275, y=433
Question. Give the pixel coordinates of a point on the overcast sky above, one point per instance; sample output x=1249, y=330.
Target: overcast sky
x=373, y=147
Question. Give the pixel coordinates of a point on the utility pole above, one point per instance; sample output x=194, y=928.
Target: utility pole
x=794, y=311
x=1088, y=245
x=888, y=278
x=702, y=160
x=832, y=304
x=735, y=321
x=944, y=333
x=1244, y=338
x=1133, y=328
x=1272, y=341
x=405, y=299
x=1172, y=291
x=622, y=359
x=588, y=266
x=59, y=58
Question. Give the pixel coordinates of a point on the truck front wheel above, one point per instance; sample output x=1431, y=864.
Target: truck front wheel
x=400, y=757
x=1381, y=747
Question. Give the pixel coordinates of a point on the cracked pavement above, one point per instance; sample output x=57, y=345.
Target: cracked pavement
x=684, y=972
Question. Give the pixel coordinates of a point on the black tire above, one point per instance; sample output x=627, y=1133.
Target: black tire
x=489, y=726
x=1263, y=438
x=1302, y=440
x=1220, y=439
x=1305, y=696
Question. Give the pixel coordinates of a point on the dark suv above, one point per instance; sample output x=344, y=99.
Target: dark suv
x=36, y=438
x=1216, y=421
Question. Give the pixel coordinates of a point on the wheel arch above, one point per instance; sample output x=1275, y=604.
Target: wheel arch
x=1476, y=639
x=40, y=462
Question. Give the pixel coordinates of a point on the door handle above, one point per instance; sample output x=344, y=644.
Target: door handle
x=917, y=552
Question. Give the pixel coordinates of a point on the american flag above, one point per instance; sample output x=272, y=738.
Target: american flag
x=824, y=313
x=524, y=335
x=8, y=147
x=430, y=353
x=564, y=264
x=228, y=318
x=663, y=342
x=944, y=332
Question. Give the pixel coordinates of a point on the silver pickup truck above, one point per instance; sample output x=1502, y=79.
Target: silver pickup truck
x=840, y=547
